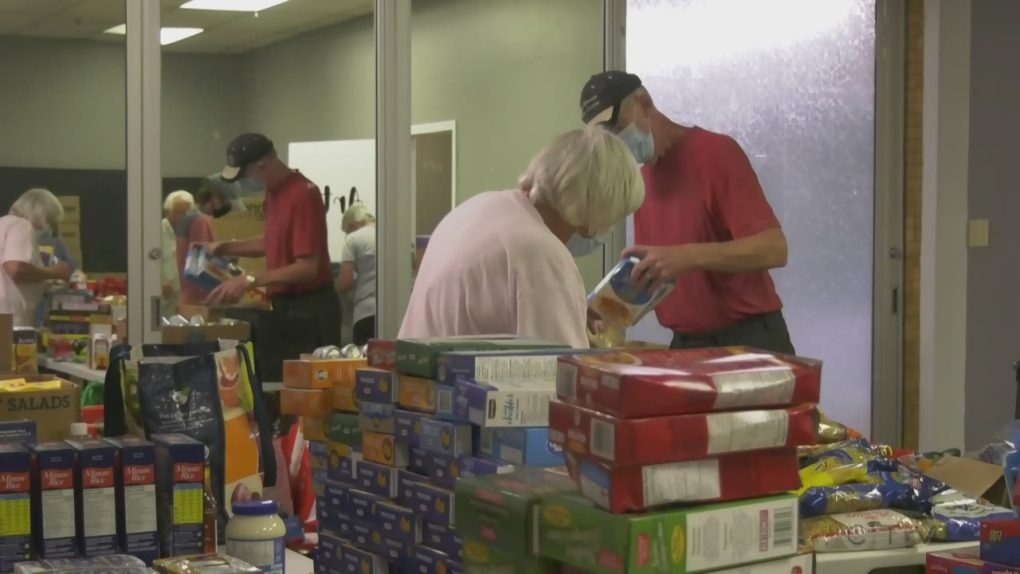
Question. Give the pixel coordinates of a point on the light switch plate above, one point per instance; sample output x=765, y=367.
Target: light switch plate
x=977, y=231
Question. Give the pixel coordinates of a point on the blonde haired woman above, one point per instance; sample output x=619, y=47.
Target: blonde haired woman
x=23, y=280
x=357, y=269
x=503, y=261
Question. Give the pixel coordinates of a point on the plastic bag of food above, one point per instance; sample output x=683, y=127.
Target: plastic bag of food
x=956, y=517
x=830, y=431
x=204, y=564
x=859, y=531
x=851, y=451
x=818, y=501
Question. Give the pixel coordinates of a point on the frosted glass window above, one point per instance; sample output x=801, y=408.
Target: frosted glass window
x=794, y=82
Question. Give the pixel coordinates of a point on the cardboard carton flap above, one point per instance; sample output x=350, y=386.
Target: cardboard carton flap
x=971, y=477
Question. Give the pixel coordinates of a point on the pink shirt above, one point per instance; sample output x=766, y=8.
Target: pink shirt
x=18, y=243
x=493, y=267
x=195, y=227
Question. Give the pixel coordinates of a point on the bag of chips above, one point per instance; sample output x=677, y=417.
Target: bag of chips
x=859, y=531
x=830, y=431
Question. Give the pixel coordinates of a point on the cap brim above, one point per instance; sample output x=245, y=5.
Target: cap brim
x=230, y=174
x=602, y=117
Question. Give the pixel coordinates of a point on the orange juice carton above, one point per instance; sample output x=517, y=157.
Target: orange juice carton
x=16, y=505
x=136, y=497
x=377, y=417
x=53, y=494
x=305, y=402
x=417, y=394
x=619, y=300
x=382, y=449
x=376, y=385
x=26, y=351
x=95, y=498
x=180, y=494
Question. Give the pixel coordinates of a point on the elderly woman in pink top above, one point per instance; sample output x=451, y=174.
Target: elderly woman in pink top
x=23, y=280
x=502, y=262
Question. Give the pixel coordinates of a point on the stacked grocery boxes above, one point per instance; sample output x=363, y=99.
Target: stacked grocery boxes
x=321, y=393
x=714, y=429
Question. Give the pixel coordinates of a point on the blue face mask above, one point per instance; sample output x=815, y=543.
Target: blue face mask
x=579, y=245
x=641, y=144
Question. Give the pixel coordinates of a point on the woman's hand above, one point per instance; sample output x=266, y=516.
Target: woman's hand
x=62, y=271
x=595, y=323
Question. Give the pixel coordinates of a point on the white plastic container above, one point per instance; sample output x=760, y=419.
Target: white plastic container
x=256, y=535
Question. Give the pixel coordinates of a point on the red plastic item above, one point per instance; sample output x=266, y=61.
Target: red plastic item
x=662, y=383
x=382, y=354
x=728, y=477
x=659, y=440
x=114, y=286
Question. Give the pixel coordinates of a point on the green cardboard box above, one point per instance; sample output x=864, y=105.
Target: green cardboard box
x=343, y=428
x=502, y=509
x=482, y=558
x=686, y=540
x=417, y=357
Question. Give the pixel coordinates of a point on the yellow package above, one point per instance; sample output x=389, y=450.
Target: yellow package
x=417, y=394
x=826, y=473
x=345, y=399
x=21, y=385
x=382, y=449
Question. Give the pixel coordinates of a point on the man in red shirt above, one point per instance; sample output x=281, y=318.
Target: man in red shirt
x=705, y=222
x=299, y=276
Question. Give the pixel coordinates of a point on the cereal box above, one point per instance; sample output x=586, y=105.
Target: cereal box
x=419, y=461
x=505, y=403
x=330, y=552
x=317, y=455
x=680, y=437
x=418, y=357
x=429, y=560
x=15, y=505
x=443, y=470
x=495, y=366
x=443, y=437
x=18, y=432
x=574, y=531
x=361, y=503
x=53, y=492
x=501, y=508
x=727, y=477
x=522, y=446
x=376, y=385
x=619, y=301
x=382, y=449
x=136, y=497
x=405, y=494
x=344, y=398
x=672, y=382
x=310, y=373
x=382, y=354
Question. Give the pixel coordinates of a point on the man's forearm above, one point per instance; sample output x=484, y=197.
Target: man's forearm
x=297, y=272
x=254, y=247
x=766, y=250
x=26, y=273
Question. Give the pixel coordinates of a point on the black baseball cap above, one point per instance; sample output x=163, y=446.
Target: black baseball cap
x=243, y=151
x=603, y=93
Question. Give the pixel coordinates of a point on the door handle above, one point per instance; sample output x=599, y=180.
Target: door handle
x=157, y=304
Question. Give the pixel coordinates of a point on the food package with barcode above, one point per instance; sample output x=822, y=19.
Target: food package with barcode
x=673, y=382
x=532, y=364
x=620, y=442
x=619, y=301
x=503, y=404
x=683, y=540
x=860, y=531
x=207, y=271
x=501, y=508
x=734, y=476
x=420, y=357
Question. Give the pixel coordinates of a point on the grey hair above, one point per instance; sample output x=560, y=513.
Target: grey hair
x=40, y=207
x=357, y=213
x=588, y=176
x=179, y=195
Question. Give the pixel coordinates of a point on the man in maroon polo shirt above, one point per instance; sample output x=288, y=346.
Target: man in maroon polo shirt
x=298, y=277
x=705, y=222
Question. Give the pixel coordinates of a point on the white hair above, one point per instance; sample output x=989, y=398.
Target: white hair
x=40, y=207
x=179, y=195
x=588, y=176
x=357, y=213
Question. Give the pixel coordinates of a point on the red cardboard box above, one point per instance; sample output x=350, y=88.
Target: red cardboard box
x=728, y=477
x=963, y=562
x=677, y=438
x=382, y=354
x=1000, y=541
x=662, y=382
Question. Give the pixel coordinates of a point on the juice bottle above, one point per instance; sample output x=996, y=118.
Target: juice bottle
x=209, y=513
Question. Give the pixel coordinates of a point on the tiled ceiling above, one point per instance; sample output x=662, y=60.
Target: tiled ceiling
x=225, y=32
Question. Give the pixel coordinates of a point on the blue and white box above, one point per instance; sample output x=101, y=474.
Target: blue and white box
x=376, y=386
x=504, y=404
x=520, y=446
x=444, y=437
x=494, y=366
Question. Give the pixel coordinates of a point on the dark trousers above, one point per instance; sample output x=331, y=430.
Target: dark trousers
x=364, y=330
x=306, y=321
x=767, y=332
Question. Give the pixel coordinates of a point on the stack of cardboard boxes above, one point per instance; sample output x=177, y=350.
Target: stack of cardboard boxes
x=70, y=226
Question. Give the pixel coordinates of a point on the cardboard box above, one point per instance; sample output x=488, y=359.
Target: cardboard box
x=661, y=440
x=505, y=403
x=382, y=449
x=179, y=335
x=314, y=403
x=574, y=531
x=52, y=411
x=417, y=394
x=442, y=437
x=16, y=538
x=72, y=209
x=958, y=562
x=1000, y=541
x=502, y=508
x=6, y=343
x=973, y=477
x=95, y=498
x=376, y=385
x=663, y=383
x=482, y=557
x=136, y=497
x=54, y=481
x=407, y=426
x=528, y=446
x=382, y=354
x=377, y=417
x=418, y=357
x=320, y=373
x=25, y=351
x=238, y=225
x=445, y=540
x=495, y=366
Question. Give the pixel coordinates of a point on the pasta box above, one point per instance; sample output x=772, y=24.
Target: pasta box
x=619, y=300
x=536, y=365
x=418, y=357
x=574, y=531
x=505, y=403
x=676, y=438
x=673, y=382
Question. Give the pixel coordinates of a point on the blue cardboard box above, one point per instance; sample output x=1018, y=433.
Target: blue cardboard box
x=18, y=432
x=442, y=469
x=494, y=366
x=317, y=455
x=95, y=471
x=342, y=464
x=430, y=503
x=446, y=403
x=474, y=466
x=330, y=552
x=405, y=496
x=377, y=479
x=180, y=483
x=445, y=540
x=444, y=437
x=376, y=386
x=505, y=403
x=521, y=446
x=328, y=516
x=407, y=427
x=15, y=505
x=136, y=497
x=361, y=503
x=377, y=417
x=429, y=560
x=418, y=461
x=397, y=523
x=363, y=562
x=54, y=481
